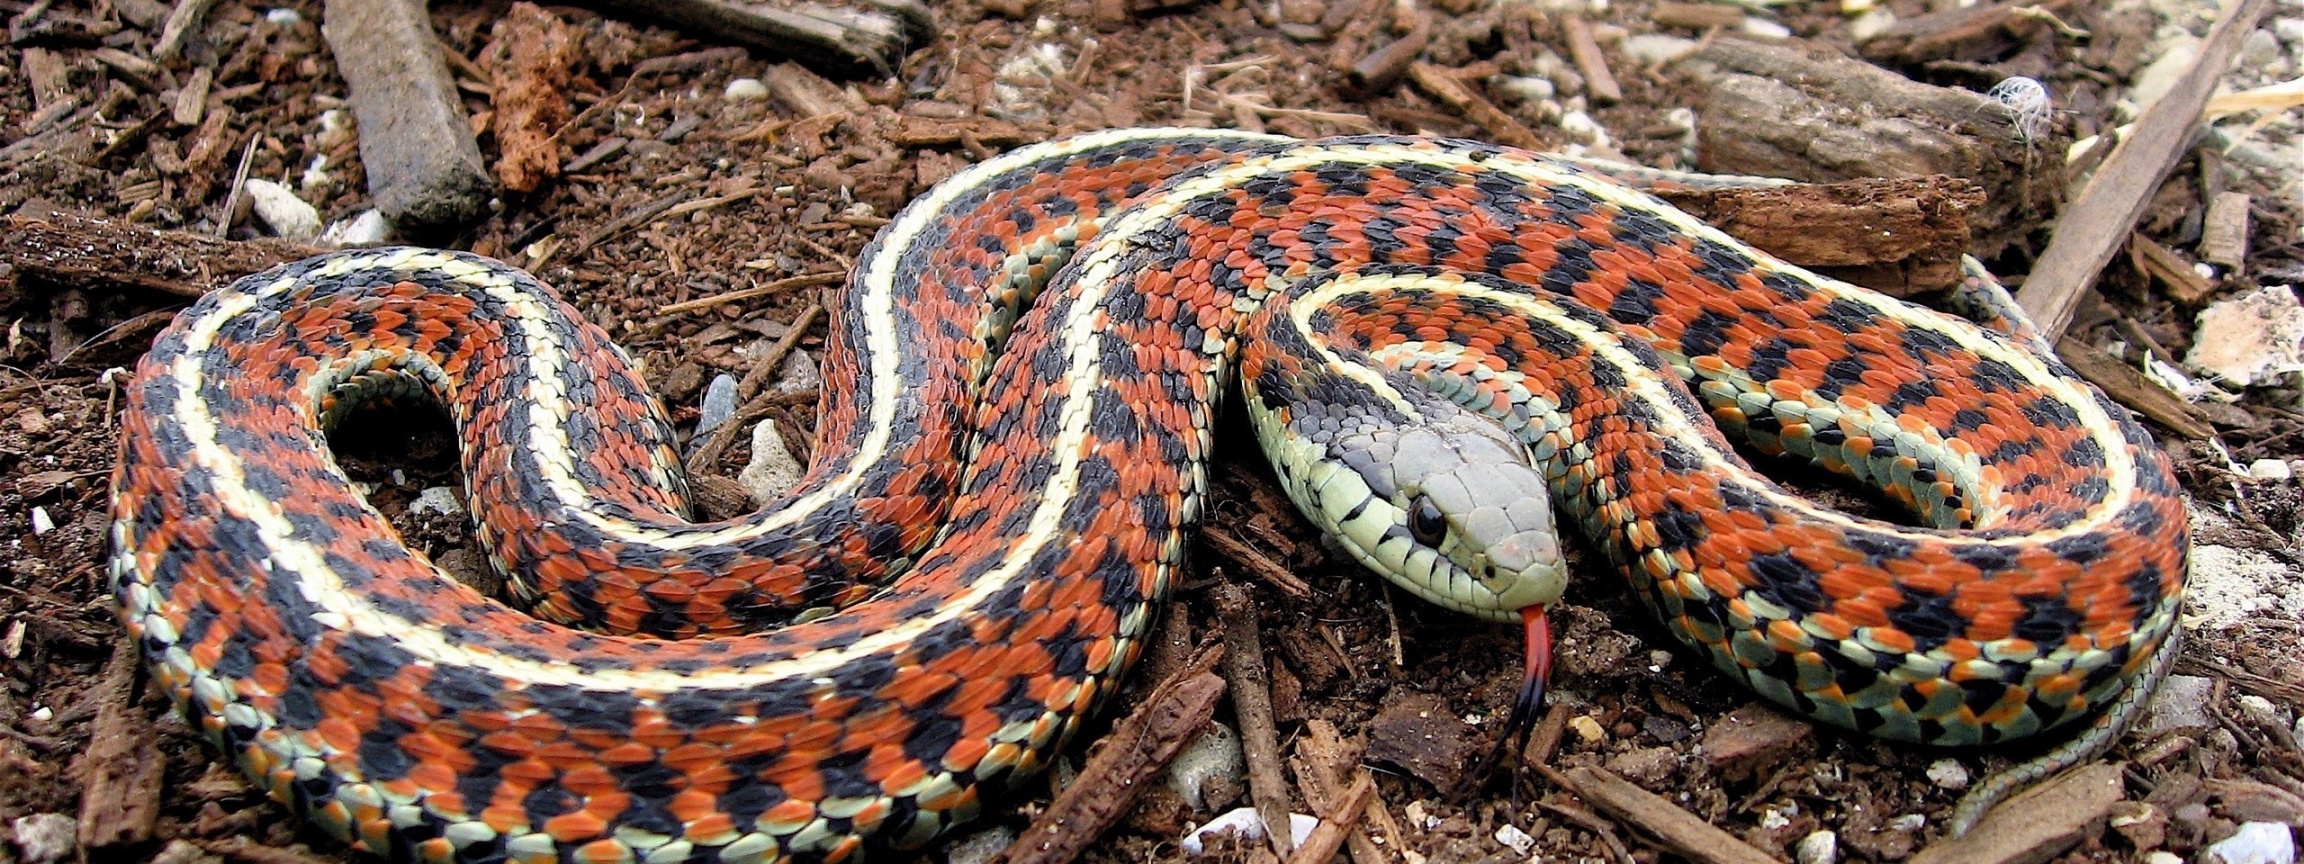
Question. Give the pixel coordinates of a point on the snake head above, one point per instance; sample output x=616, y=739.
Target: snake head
x=1445, y=504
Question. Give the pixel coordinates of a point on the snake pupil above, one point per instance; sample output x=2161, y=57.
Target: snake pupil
x=1425, y=522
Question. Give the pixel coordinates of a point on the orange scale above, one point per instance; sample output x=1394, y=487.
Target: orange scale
x=435, y=779
x=631, y=754
x=1892, y=639
x=505, y=818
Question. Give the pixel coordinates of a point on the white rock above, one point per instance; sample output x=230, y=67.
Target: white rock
x=365, y=228
x=745, y=90
x=436, y=501
x=1873, y=22
x=1908, y=822
x=42, y=523
x=2262, y=712
x=2230, y=585
x=1766, y=29
x=2290, y=30
x=284, y=17
x=1515, y=839
x=1525, y=88
x=2163, y=856
x=2250, y=339
x=772, y=470
x=2270, y=469
x=1247, y=826
x=1214, y=756
x=1656, y=49
x=280, y=210
x=1822, y=847
x=1774, y=818
x=2255, y=843
x=2182, y=703
x=46, y=838
x=1948, y=774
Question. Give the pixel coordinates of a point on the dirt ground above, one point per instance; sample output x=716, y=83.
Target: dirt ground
x=761, y=189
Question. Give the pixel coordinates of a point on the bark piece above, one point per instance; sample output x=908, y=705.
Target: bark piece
x=1900, y=237
x=78, y=252
x=424, y=169
x=2038, y=825
x=2117, y=194
x=539, y=51
x=2224, y=232
x=868, y=37
x=120, y=799
x=1780, y=112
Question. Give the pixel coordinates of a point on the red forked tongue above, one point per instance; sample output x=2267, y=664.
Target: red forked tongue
x=1537, y=672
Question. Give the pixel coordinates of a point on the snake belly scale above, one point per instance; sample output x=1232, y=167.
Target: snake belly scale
x=1061, y=442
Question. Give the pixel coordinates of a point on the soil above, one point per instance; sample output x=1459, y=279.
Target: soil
x=794, y=184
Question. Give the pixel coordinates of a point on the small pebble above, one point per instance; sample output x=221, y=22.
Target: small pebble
x=2163, y=856
x=280, y=210
x=1205, y=766
x=1822, y=847
x=745, y=90
x=1515, y=839
x=1871, y=24
x=2261, y=711
x=1948, y=774
x=719, y=404
x=2255, y=843
x=1655, y=49
x=2182, y=703
x=284, y=17
x=43, y=713
x=436, y=501
x=2259, y=47
x=1648, y=766
x=1908, y=822
x=1766, y=29
x=42, y=523
x=1774, y=818
x=46, y=838
x=2290, y=30
x=1587, y=729
x=365, y=228
x=2270, y=469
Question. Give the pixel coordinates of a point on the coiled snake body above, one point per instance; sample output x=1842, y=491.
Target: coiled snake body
x=1435, y=331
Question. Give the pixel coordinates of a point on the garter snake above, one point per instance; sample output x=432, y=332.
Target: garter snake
x=1013, y=446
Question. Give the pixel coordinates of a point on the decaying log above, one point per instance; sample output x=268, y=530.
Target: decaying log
x=1779, y=112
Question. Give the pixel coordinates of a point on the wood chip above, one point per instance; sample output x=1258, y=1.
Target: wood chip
x=1901, y=237
x=1272, y=572
x=2040, y=824
x=191, y=103
x=2224, y=232
x=1378, y=71
x=1676, y=830
x=2184, y=284
x=2100, y=217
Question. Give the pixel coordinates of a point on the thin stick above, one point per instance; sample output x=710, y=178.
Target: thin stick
x=1252, y=701
x=804, y=280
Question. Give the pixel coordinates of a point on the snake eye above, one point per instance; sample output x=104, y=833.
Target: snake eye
x=1425, y=522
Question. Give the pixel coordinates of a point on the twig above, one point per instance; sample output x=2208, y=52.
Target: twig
x=804, y=280
x=1252, y=701
x=1585, y=50
x=239, y=179
x=1677, y=830
x=1453, y=92
x=120, y=801
x=2099, y=219
x=1139, y=746
x=1257, y=562
x=769, y=363
x=1594, y=824
x=754, y=405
